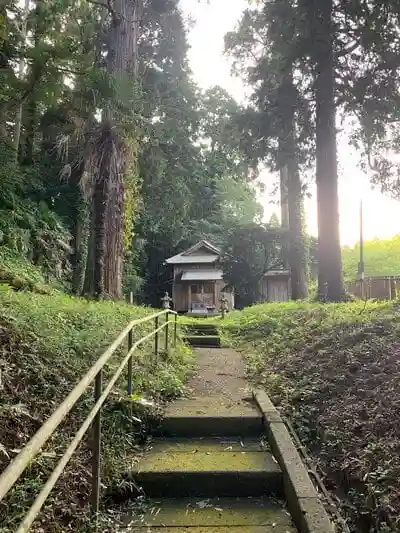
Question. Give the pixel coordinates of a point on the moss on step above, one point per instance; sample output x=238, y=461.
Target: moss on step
x=228, y=444
x=213, y=406
x=212, y=513
x=211, y=415
x=204, y=336
x=216, y=461
x=212, y=529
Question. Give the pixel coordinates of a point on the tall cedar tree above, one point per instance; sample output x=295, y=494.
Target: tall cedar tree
x=109, y=154
x=330, y=280
x=262, y=48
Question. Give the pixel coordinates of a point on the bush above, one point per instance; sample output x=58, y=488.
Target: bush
x=333, y=369
x=30, y=231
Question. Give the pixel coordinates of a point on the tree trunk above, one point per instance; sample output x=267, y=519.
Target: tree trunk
x=81, y=243
x=291, y=185
x=114, y=240
x=297, y=241
x=88, y=286
x=3, y=128
x=31, y=107
x=283, y=174
x=30, y=130
x=330, y=282
x=4, y=69
x=21, y=66
x=109, y=191
x=283, y=181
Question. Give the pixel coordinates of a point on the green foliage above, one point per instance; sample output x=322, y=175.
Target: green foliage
x=332, y=370
x=29, y=230
x=249, y=252
x=268, y=319
x=381, y=258
x=299, y=58
x=186, y=175
x=19, y=273
x=48, y=343
x=195, y=181
x=264, y=49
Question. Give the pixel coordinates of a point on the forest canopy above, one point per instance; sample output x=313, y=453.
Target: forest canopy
x=113, y=158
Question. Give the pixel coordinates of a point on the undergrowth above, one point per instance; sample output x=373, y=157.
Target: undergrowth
x=21, y=274
x=334, y=370
x=48, y=343
x=34, y=241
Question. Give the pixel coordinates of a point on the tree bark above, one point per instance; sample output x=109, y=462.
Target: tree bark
x=30, y=129
x=291, y=188
x=81, y=243
x=297, y=241
x=100, y=198
x=3, y=128
x=283, y=181
x=21, y=66
x=30, y=108
x=5, y=68
x=88, y=286
x=330, y=282
x=109, y=191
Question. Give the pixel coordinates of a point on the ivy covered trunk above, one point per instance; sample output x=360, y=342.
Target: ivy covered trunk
x=30, y=112
x=330, y=282
x=81, y=243
x=111, y=154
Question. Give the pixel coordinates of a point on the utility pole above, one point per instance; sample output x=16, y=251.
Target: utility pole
x=361, y=263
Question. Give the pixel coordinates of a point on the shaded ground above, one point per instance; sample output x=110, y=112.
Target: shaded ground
x=221, y=372
x=335, y=371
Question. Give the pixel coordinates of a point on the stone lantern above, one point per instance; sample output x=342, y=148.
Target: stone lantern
x=223, y=305
x=166, y=300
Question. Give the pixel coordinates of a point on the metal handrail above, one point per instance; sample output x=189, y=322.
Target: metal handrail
x=15, y=469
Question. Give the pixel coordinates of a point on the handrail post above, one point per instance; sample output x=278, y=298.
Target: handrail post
x=96, y=447
x=166, y=332
x=92, y=424
x=130, y=362
x=156, y=336
x=175, y=329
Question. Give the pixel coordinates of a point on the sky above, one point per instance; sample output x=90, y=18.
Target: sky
x=212, y=20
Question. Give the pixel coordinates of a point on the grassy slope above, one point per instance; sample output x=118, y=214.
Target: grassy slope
x=19, y=273
x=335, y=371
x=47, y=343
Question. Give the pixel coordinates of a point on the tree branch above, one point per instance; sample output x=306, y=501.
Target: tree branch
x=71, y=71
x=107, y=5
x=351, y=48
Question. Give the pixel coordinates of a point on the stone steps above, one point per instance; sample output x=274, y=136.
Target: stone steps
x=213, y=529
x=212, y=416
x=211, y=515
x=202, y=335
x=202, y=329
x=202, y=341
x=208, y=469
